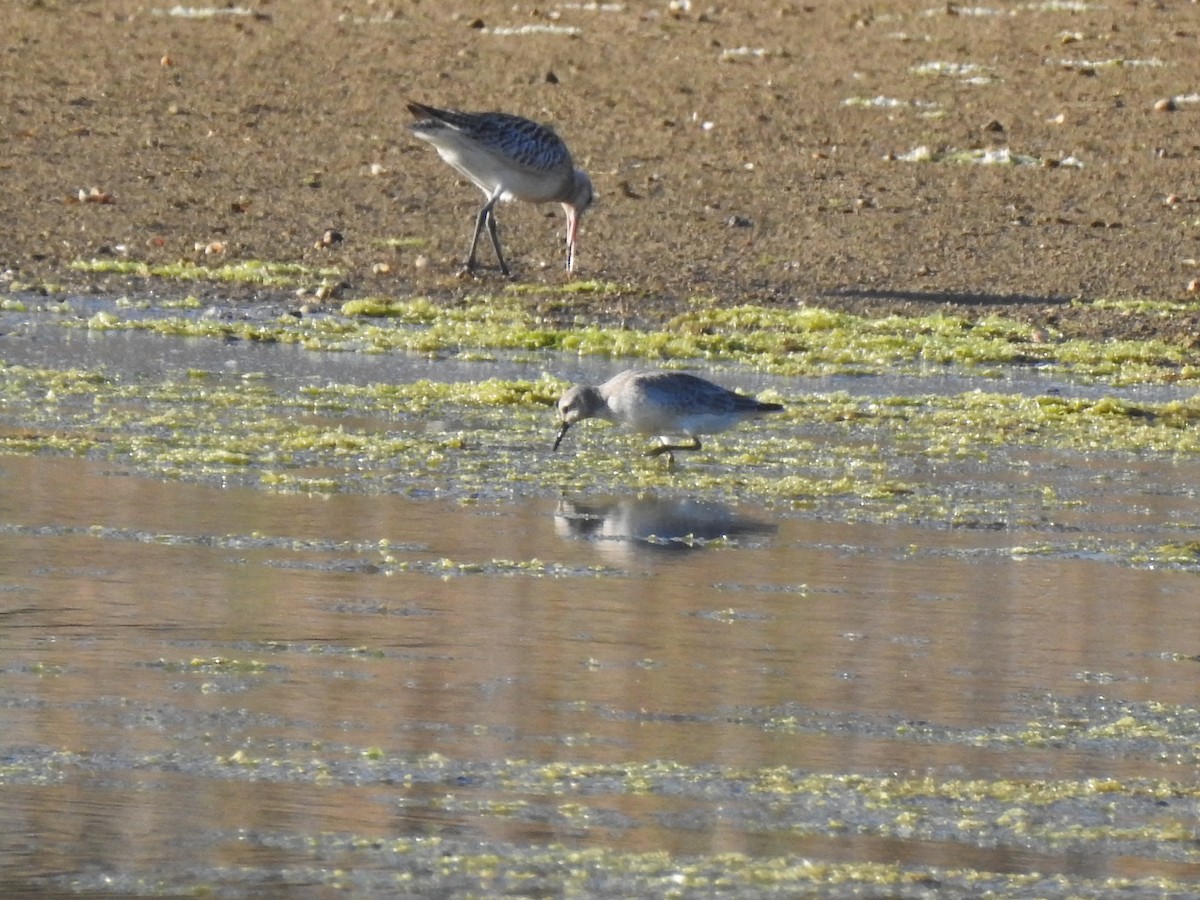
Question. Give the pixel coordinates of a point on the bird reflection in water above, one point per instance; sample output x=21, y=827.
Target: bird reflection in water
x=655, y=524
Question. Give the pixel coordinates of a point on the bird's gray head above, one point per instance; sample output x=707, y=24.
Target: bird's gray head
x=583, y=193
x=577, y=403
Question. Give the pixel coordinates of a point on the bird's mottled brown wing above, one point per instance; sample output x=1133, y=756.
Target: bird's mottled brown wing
x=514, y=137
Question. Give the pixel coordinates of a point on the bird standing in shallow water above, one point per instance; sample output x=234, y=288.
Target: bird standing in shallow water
x=508, y=158
x=665, y=404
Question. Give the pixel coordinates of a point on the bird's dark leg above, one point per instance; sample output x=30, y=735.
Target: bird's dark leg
x=669, y=448
x=486, y=217
x=491, y=223
x=480, y=220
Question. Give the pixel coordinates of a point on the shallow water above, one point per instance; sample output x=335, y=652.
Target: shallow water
x=218, y=687
x=136, y=353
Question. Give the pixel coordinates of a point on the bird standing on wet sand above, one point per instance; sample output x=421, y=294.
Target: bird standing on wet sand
x=665, y=404
x=508, y=158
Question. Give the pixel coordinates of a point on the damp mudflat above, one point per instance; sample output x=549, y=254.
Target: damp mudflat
x=285, y=620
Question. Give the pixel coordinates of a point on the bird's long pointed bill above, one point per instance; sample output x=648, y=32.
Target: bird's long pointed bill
x=562, y=432
x=572, y=231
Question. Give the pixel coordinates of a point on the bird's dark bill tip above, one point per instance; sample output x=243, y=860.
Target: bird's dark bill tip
x=562, y=433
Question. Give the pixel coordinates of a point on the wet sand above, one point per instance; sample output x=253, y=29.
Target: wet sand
x=747, y=153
